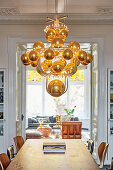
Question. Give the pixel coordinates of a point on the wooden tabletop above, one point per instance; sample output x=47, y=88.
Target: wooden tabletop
x=31, y=157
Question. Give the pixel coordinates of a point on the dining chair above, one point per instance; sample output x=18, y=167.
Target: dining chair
x=19, y=141
x=5, y=161
x=10, y=152
x=71, y=130
x=111, y=165
x=90, y=145
x=1, y=166
x=102, y=150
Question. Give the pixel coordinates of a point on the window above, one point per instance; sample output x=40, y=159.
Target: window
x=39, y=102
x=33, y=100
x=54, y=105
x=77, y=99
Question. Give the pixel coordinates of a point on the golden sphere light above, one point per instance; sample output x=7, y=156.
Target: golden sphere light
x=89, y=58
x=63, y=34
x=56, y=60
x=69, y=68
x=38, y=46
x=49, y=54
x=58, y=66
x=34, y=63
x=74, y=45
x=56, y=88
x=25, y=59
x=57, y=43
x=50, y=35
x=33, y=55
x=67, y=54
x=81, y=55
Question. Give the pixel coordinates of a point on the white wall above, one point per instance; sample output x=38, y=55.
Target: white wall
x=35, y=31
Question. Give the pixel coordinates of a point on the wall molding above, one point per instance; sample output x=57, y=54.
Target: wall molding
x=14, y=17
x=105, y=10
x=9, y=11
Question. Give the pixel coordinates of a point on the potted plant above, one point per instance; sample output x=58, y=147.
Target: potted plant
x=70, y=112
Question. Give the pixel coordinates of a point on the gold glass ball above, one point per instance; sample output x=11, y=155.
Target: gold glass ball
x=58, y=66
x=67, y=54
x=89, y=58
x=69, y=68
x=25, y=59
x=63, y=34
x=48, y=62
x=74, y=45
x=56, y=88
x=81, y=55
x=50, y=35
x=57, y=43
x=34, y=63
x=33, y=55
x=44, y=67
x=49, y=54
x=38, y=46
x=63, y=61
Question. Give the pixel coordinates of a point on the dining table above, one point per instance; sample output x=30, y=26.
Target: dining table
x=32, y=157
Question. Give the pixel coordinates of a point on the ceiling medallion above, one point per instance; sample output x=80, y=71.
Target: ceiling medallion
x=57, y=62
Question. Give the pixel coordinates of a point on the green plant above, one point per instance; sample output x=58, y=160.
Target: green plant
x=70, y=111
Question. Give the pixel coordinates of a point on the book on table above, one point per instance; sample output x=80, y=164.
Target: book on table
x=54, y=148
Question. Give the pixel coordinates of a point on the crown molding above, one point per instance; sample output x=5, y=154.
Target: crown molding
x=105, y=10
x=14, y=17
x=9, y=11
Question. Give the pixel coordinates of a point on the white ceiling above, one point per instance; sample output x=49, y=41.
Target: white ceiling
x=68, y=6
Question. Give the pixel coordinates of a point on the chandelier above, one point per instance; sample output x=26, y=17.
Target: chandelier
x=58, y=62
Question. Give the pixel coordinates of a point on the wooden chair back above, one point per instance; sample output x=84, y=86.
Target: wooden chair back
x=19, y=141
x=5, y=161
x=71, y=130
x=10, y=152
x=111, y=166
x=1, y=166
x=102, y=150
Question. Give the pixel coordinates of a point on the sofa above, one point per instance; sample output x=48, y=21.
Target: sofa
x=34, y=122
